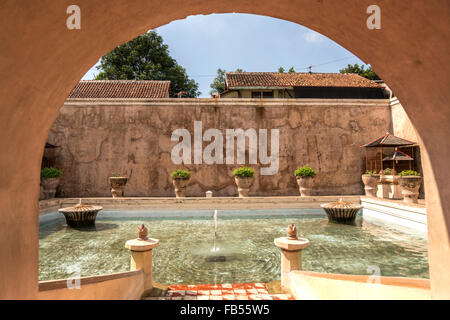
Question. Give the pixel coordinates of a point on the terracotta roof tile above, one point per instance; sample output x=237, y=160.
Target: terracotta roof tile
x=276, y=79
x=121, y=89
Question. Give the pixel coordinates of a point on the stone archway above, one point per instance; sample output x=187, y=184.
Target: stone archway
x=41, y=61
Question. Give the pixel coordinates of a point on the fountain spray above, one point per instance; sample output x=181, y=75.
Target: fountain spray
x=215, y=231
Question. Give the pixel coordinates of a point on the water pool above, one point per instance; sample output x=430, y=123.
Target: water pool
x=245, y=240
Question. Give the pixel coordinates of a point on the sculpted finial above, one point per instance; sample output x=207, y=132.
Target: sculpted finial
x=292, y=232
x=142, y=232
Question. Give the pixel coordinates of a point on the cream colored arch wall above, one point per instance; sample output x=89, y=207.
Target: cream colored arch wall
x=41, y=61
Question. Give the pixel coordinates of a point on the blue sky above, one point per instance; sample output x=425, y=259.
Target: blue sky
x=202, y=44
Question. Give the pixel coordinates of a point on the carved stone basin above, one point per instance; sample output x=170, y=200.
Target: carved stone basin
x=341, y=211
x=80, y=215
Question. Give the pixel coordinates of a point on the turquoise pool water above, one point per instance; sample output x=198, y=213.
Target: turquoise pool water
x=245, y=242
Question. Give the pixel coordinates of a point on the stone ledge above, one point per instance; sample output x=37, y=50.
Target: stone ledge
x=226, y=102
x=200, y=202
x=399, y=204
x=306, y=285
x=62, y=283
x=412, y=216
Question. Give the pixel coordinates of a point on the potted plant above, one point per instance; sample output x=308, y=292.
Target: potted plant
x=370, y=180
x=304, y=176
x=50, y=178
x=117, y=182
x=385, y=175
x=243, y=177
x=409, y=181
x=180, y=179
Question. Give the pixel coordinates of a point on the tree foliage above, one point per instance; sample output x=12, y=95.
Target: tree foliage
x=356, y=68
x=280, y=70
x=218, y=84
x=146, y=58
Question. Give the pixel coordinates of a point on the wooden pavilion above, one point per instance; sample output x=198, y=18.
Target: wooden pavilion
x=389, y=151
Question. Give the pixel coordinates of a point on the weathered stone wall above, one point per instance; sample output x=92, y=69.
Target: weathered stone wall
x=401, y=125
x=403, y=128
x=97, y=138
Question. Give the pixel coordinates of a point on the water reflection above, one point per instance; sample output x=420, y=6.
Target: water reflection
x=246, y=250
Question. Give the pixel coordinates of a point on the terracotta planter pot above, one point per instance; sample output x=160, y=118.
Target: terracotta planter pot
x=410, y=188
x=49, y=186
x=243, y=184
x=180, y=185
x=305, y=186
x=370, y=184
x=117, y=186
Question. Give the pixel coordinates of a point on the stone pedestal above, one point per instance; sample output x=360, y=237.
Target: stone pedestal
x=117, y=186
x=118, y=191
x=370, y=184
x=180, y=187
x=384, y=189
x=304, y=186
x=388, y=188
x=243, y=184
x=49, y=186
x=141, y=258
x=291, y=255
x=410, y=188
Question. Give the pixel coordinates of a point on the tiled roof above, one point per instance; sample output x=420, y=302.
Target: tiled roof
x=277, y=79
x=121, y=89
x=398, y=155
x=389, y=140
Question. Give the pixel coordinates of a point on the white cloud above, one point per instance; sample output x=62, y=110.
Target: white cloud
x=312, y=36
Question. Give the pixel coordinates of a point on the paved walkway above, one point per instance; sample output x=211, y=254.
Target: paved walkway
x=235, y=291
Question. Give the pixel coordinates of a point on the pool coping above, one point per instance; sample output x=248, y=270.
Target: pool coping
x=275, y=202
x=395, y=212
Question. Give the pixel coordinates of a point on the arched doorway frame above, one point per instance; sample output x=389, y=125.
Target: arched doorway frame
x=41, y=61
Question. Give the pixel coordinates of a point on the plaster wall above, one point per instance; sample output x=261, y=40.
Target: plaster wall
x=401, y=124
x=306, y=285
x=98, y=138
x=119, y=286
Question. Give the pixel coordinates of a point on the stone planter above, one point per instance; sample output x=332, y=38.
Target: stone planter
x=384, y=187
x=180, y=185
x=243, y=184
x=370, y=184
x=81, y=215
x=388, y=187
x=305, y=186
x=410, y=188
x=117, y=186
x=41, y=193
x=49, y=186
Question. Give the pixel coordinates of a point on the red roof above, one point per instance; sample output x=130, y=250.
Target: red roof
x=399, y=156
x=389, y=140
x=296, y=79
x=120, y=89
